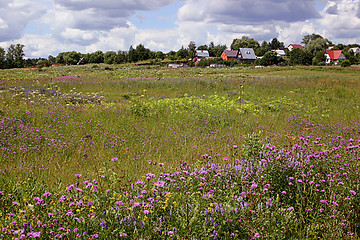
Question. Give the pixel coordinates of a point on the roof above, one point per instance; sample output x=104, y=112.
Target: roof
x=334, y=54
x=202, y=53
x=247, y=53
x=231, y=53
x=296, y=46
x=280, y=52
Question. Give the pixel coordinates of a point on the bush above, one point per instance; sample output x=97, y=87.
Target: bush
x=346, y=63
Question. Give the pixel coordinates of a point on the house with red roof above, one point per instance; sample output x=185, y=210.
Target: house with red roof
x=334, y=56
x=230, y=54
x=292, y=46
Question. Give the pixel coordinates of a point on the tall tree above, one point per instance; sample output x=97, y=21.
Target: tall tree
x=244, y=42
x=2, y=58
x=316, y=45
x=15, y=56
x=307, y=38
x=192, y=46
x=275, y=44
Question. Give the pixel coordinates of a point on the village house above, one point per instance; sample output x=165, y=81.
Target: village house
x=280, y=53
x=229, y=54
x=200, y=54
x=292, y=46
x=246, y=55
x=334, y=56
x=355, y=50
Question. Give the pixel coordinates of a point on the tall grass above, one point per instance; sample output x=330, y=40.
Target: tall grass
x=117, y=124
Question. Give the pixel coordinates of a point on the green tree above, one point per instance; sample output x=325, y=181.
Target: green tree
x=96, y=57
x=159, y=55
x=319, y=58
x=15, y=56
x=2, y=58
x=269, y=58
x=216, y=51
x=307, y=38
x=182, y=53
x=300, y=56
x=319, y=44
x=202, y=47
x=275, y=44
x=192, y=46
x=244, y=42
x=132, y=55
x=110, y=57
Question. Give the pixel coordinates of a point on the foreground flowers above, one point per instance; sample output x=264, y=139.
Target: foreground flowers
x=249, y=199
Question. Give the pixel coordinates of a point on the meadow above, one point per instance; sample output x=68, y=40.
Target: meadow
x=149, y=152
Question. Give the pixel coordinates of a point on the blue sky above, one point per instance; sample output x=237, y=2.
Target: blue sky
x=47, y=27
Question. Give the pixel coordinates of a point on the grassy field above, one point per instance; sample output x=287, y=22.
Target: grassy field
x=125, y=151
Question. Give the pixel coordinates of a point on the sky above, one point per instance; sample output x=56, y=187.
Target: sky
x=48, y=27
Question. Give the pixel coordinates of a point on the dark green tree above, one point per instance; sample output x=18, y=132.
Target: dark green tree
x=182, y=53
x=202, y=47
x=244, y=42
x=269, y=58
x=110, y=57
x=192, y=46
x=319, y=58
x=132, y=55
x=275, y=44
x=15, y=56
x=216, y=51
x=299, y=56
x=316, y=45
x=96, y=57
x=2, y=58
x=307, y=38
x=159, y=55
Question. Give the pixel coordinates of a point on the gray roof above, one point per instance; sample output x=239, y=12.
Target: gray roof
x=247, y=54
x=202, y=53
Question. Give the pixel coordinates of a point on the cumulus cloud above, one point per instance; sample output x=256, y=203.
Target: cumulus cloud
x=15, y=15
x=248, y=12
x=343, y=25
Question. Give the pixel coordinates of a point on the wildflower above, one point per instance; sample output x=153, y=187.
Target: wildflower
x=290, y=208
x=78, y=175
x=283, y=192
x=114, y=159
x=161, y=164
x=15, y=203
x=256, y=235
x=146, y=212
x=352, y=192
x=47, y=194
x=323, y=201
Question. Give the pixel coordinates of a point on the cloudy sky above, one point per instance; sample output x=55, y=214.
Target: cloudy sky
x=47, y=27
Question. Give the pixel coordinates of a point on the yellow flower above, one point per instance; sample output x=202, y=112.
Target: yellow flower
x=78, y=210
x=175, y=203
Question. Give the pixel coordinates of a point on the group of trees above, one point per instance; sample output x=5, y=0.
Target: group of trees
x=13, y=57
x=312, y=54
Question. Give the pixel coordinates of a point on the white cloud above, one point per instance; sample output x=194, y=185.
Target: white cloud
x=345, y=24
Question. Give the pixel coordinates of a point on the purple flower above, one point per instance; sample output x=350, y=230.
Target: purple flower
x=78, y=175
x=146, y=212
x=114, y=159
x=15, y=203
x=160, y=183
x=352, y=192
x=290, y=208
x=323, y=201
x=256, y=235
x=283, y=192
x=47, y=194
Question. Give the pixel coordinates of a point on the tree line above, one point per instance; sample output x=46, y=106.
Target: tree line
x=312, y=54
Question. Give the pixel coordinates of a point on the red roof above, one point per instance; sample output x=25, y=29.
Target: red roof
x=296, y=46
x=231, y=53
x=334, y=54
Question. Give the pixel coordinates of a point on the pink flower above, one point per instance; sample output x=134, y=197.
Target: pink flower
x=353, y=192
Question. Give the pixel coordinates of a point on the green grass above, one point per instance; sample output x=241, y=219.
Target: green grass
x=61, y=121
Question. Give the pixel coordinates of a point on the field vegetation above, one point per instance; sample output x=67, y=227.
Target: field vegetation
x=147, y=152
